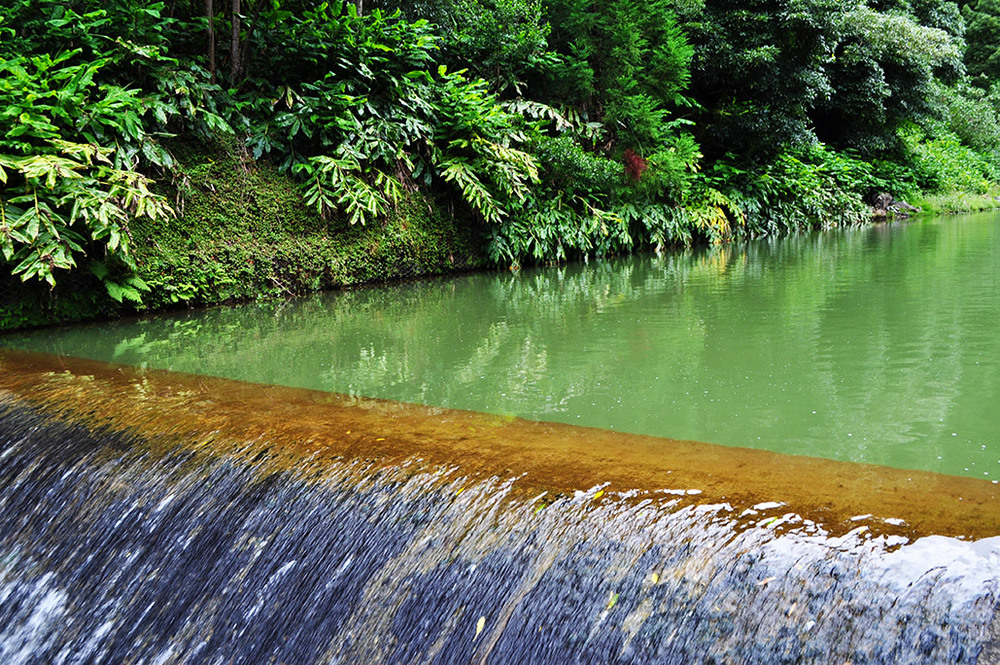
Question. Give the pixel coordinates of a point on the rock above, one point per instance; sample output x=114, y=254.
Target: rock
x=881, y=201
x=885, y=205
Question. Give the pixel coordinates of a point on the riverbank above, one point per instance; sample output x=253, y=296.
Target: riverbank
x=243, y=232
x=958, y=203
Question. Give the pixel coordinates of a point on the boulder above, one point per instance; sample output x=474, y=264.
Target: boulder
x=885, y=205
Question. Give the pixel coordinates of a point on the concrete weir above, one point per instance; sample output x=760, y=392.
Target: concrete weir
x=155, y=517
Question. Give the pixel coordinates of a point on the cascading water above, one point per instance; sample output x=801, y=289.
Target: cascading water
x=147, y=517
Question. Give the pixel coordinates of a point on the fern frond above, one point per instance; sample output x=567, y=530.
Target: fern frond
x=474, y=191
x=538, y=111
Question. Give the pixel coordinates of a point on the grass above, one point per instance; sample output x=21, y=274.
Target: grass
x=959, y=202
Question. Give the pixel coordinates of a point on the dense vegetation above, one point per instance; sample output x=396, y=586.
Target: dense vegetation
x=571, y=128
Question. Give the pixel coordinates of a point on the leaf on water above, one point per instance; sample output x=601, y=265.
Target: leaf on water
x=612, y=600
x=655, y=578
x=380, y=439
x=599, y=495
x=480, y=625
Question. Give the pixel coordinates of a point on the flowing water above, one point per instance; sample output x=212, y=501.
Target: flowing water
x=368, y=492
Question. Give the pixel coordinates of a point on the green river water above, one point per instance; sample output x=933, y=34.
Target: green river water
x=877, y=345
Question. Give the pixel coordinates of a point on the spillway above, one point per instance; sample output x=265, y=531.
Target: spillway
x=156, y=517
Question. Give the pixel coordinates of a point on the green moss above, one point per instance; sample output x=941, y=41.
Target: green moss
x=243, y=232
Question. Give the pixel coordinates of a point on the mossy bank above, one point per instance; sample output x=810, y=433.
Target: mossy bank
x=243, y=232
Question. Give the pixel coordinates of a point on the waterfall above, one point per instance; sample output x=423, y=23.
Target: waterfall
x=139, y=524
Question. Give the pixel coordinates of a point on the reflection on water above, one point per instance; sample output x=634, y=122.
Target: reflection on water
x=875, y=345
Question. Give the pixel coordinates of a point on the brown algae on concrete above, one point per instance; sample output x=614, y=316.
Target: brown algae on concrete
x=303, y=430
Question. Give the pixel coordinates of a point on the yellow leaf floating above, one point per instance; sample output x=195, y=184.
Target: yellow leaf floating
x=612, y=600
x=655, y=578
x=598, y=495
x=380, y=439
x=480, y=625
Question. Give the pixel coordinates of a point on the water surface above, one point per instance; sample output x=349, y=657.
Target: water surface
x=875, y=345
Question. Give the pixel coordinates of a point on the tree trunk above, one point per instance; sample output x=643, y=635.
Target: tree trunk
x=359, y=5
x=246, y=47
x=235, y=60
x=210, y=34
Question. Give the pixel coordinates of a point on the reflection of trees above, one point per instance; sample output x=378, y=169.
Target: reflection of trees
x=877, y=330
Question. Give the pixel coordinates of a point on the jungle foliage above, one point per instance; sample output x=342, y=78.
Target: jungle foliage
x=565, y=129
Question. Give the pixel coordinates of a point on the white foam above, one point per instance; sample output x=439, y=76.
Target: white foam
x=973, y=565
